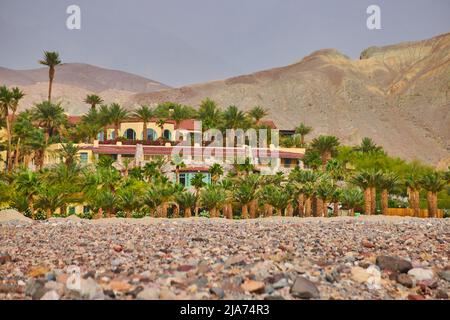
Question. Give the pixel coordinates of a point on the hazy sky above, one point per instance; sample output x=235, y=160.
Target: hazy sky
x=179, y=42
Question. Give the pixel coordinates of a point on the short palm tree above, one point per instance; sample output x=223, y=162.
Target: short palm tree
x=367, y=180
x=413, y=186
x=386, y=182
x=433, y=183
x=326, y=146
x=198, y=183
x=303, y=130
x=69, y=152
x=27, y=183
x=93, y=100
x=213, y=198
x=352, y=198
x=51, y=60
x=325, y=191
x=128, y=200
x=277, y=198
x=186, y=200
x=216, y=171
x=246, y=193
x=145, y=114
x=368, y=145
x=49, y=199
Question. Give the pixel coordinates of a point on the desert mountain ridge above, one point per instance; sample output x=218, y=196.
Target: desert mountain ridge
x=398, y=94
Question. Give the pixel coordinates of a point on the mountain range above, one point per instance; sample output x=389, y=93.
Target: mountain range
x=399, y=95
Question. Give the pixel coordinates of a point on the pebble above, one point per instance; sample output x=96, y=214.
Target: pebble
x=393, y=263
x=304, y=289
x=421, y=274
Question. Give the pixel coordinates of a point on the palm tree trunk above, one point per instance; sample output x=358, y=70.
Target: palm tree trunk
x=8, y=151
x=416, y=205
x=176, y=212
x=49, y=213
x=128, y=213
x=245, y=211
x=319, y=207
x=187, y=212
x=63, y=210
x=324, y=208
x=326, y=156
x=116, y=131
x=253, y=207
x=432, y=204
x=278, y=211
x=367, y=201
x=308, y=207
x=17, y=154
x=164, y=210
x=144, y=134
x=51, y=75
x=31, y=207
x=373, y=200
x=289, y=210
x=335, y=209
x=384, y=201
x=301, y=207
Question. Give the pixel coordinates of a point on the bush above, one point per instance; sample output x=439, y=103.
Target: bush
x=204, y=214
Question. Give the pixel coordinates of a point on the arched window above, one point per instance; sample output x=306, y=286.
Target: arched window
x=151, y=135
x=130, y=134
x=167, y=134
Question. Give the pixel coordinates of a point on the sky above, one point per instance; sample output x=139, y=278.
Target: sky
x=180, y=42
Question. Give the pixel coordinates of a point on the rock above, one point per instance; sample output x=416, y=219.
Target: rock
x=445, y=274
x=89, y=289
x=219, y=292
x=280, y=284
x=51, y=295
x=273, y=298
x=235, y=260
x=253, y=286
x=117, y=248
x=185, y=268
x=35, y=289
x=4, y=258
x=148, y=294
x=441, y=294
x=374, y=281
x=120, y=286
x=405, y=280
x=367, y=244
x=37, y=272
x=359, y=275
x=166, y=294
x=393, y=264
x=304, y=289
x=55, y=286
x=415, y=297
x=421, y=274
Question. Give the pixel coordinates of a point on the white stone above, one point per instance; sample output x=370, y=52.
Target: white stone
x=421, y=274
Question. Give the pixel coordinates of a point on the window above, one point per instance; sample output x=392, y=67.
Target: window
x=287, y=163
x=71, y=210
x=182, y=179
x=151, y=135
x=130, y=134
x=86, y=209
x=83, y=157
x=167, y=134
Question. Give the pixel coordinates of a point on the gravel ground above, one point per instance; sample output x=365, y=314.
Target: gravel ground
x=278, y=258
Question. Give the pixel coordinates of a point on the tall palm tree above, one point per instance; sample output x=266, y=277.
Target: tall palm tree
x=367, y=180
x=6, y=100
x=433, y=183
x=93, y=100
x=326, y=146
x=325, y=191
x=303, y=130
x=386, y=182
x=51, y=60
x=117, y=114
x=257, y=113
x=145, y=114
x=180, y=113
x=234, y=118
x=216, y=171
x=104, y=119
x=209, y=114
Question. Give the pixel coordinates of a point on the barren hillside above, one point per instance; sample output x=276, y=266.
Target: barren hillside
x=398, y=95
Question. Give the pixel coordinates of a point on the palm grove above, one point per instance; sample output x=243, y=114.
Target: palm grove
x=360, y=178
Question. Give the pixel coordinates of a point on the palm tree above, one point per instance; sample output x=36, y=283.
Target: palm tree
x=303, y=130
x=216, y=171
x=128, y=200
x=51, y=60
x=198, y=183
x=104, y=120
x=326, y=146
x=186, y=201
x=309, y=192
x=117, y=114
x=228, y=187
x=145, y=114
x=27, y=183
x=277, y=198
x=49, y=199
x=246, y=193
x=234, y=118
x=367, y=180
x=325, y=191
x=49, y=116
x=180, y=112
x=213, y=198
x=257, y=113
x=69, y=153
x=336, y=169
x=413, y=186
x=352, y=198
x=433, y=183
x=209, y=114
x=93, y=100
x=387, y=181
x=367, y=145
x=6, y=100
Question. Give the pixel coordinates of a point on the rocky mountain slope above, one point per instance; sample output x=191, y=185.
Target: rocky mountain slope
x=399, y=95
x=74, y=81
